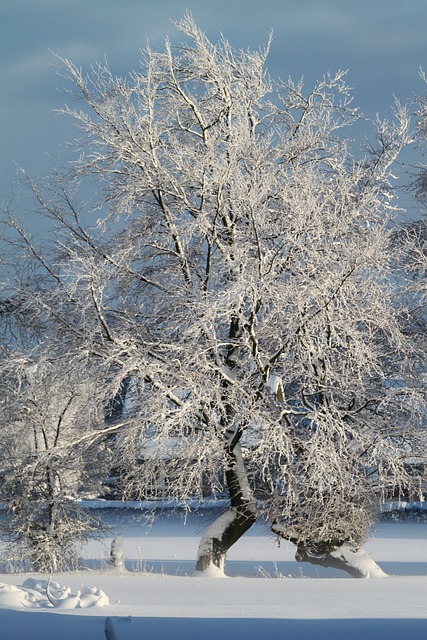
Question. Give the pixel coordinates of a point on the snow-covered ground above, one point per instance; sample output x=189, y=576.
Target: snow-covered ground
x=265, y=592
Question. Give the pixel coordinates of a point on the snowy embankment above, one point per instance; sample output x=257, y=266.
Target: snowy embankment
x=266, y=593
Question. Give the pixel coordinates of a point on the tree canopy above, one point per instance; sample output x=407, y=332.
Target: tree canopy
x=238, y=291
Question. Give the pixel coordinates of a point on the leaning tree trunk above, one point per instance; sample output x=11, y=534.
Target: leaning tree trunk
x=342, y=556
x=334, y=555
x=230, y=526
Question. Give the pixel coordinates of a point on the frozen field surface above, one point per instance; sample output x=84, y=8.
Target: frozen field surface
x=265, y=592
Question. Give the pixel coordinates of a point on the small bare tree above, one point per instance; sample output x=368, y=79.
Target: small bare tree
x=239, y=274
x=44, y=464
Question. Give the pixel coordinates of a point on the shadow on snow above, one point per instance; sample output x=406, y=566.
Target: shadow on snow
x=255, y=628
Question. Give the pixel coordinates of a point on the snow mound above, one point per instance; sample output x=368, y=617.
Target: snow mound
x=211, y=572
x=46, y=594
x=359, y=559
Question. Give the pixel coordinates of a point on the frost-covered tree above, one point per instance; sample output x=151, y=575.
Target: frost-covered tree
x=44, y=464
x=418, y=229
x=411, y=236
x=239, y=275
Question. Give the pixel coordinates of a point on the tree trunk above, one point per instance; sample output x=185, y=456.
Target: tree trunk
x=342, y=556
x=230, y=526
x=116, y=553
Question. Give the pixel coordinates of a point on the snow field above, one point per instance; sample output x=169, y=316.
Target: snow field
x=164, y=600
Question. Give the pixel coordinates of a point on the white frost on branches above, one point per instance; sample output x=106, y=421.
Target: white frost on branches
x=240, y=276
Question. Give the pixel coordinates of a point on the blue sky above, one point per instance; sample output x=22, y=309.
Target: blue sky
x=383, y=43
